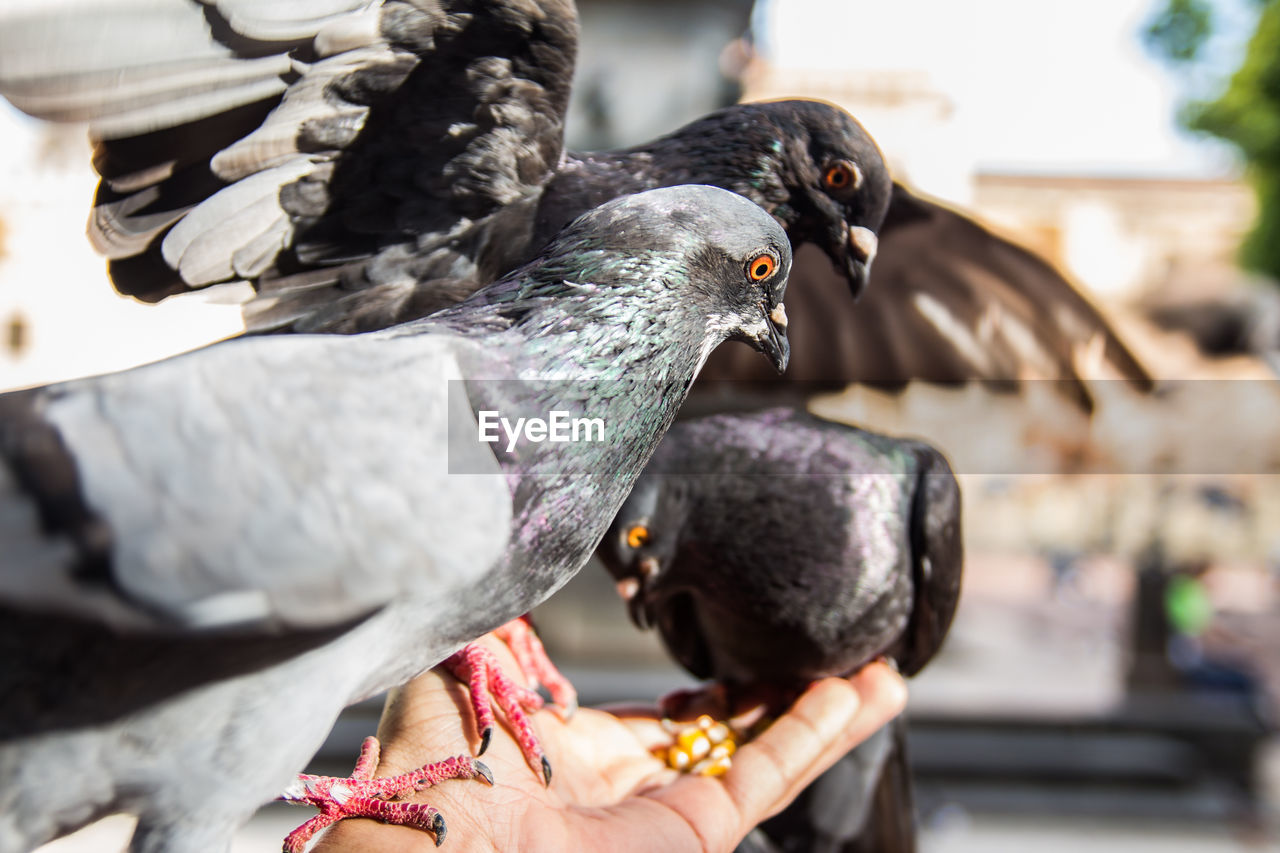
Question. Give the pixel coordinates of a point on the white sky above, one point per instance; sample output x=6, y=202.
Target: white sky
x=1038, y=86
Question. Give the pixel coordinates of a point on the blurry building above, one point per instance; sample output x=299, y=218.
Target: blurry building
x=1124, y=237
x=922, y=80
x=1131, y=237
x=647, y=68
x=59, y=317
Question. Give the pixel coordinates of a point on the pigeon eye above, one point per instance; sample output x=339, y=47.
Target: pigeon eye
x=761, y=266
x=842, y=176
x=637, y=535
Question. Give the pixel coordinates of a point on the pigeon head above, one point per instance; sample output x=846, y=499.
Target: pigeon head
x=836, y=184
x=808, y=163
x=641, y=541
x=709, y=262
x=736, y=259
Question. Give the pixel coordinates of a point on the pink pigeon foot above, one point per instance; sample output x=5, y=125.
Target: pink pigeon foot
x=361, y=795
x=477, y=666
x=523, y=641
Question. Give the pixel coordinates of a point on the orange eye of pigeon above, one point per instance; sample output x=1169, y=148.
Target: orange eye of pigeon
x=841, y=176
x=637, y=535
x=761, y=267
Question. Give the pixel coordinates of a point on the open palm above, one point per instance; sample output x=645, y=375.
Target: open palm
x=608, y=791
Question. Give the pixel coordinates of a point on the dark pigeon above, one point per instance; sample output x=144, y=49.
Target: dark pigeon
x=206, y=558
x=777, y=547
x=364, y=163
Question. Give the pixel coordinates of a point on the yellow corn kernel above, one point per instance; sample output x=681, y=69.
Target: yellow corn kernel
x=712, y=767
x=694, y=742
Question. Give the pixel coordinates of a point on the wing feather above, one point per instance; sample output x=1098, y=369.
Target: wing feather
x=949, y=301
x=374, y=126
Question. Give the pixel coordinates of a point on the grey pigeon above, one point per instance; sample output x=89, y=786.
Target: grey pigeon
x=364, y=163
x=778, y=547
x=206, y=558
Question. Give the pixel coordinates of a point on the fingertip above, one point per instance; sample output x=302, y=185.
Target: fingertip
x=830, y=704
x=880, y=684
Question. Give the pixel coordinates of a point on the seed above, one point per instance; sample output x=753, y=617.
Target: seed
x=719, y=733
x=712, y=767
x=694, y=742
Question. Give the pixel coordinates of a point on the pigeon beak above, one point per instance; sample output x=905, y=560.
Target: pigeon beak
x=774, y=342
x=629, y=589
x=632, y=591
x=859, y=252
x=639, y=613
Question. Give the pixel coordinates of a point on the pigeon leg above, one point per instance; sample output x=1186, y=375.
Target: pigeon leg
x=522, y=639
x=477, y=666
x=361, y=795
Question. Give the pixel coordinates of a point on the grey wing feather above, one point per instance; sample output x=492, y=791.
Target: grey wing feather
x=289, y=142
x=266, y=484
x=971, y=305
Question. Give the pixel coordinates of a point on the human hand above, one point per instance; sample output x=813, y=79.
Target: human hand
x=608, y=791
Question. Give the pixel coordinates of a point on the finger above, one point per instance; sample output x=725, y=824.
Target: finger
x=828, y=720
x=820, y=729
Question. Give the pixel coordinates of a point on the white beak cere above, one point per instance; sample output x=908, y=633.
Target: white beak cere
x=779, y=317
x=864, y=242
x=627, y=588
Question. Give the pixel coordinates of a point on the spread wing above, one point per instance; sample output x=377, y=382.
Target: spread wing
x=309, y=147
x=334, y=496
x=948, y=301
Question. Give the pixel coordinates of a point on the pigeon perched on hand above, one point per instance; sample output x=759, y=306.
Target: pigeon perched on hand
x=365, y=163
x=206, y=558
x=777, y=547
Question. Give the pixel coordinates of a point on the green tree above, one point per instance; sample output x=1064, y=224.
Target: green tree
x=1246, y=113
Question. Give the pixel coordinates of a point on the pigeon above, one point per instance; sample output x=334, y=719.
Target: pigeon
x=207, y=557
x=365, y=163
x=777, y=548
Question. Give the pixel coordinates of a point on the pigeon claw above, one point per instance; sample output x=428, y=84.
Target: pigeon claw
x=479, y=669
x=546, y=771
x=362, y=795
x=538, y=669
x=438, y=828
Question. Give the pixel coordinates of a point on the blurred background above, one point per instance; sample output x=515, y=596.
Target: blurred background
x=1112, y=678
